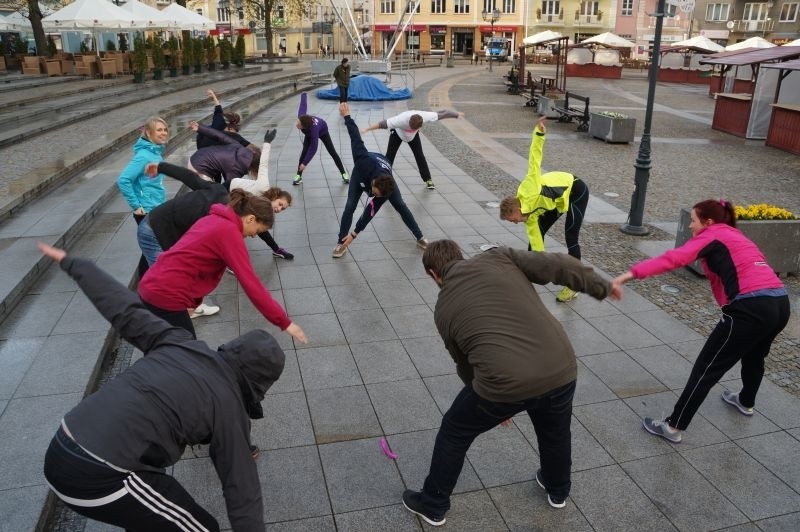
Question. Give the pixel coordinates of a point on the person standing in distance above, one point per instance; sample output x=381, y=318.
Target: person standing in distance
x=512, y=356
x=342, y=76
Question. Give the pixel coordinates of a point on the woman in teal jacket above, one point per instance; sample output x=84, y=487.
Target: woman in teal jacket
x=142, y=192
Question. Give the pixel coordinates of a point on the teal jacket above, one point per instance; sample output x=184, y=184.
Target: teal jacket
x=139, y=189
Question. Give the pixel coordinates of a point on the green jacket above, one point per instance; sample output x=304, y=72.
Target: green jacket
x=539, y=193
x=342, y=75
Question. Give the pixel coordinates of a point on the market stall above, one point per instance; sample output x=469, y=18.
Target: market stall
x=597, y=57
x=680, y=62
x=558, y=46
x=784, y=124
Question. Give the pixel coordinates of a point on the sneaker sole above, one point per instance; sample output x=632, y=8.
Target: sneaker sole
x=424, y=517
x=549, y=500
x=738, y=407
x=666, y=437
x=567, y=300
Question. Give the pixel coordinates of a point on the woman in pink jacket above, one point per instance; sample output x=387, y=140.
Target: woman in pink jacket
x=754, y=303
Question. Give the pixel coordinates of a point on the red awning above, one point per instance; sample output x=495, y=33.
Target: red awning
x=488, y=29
x=393, y=27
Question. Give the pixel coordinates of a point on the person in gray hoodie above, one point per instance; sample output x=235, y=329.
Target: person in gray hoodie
x=108, y=458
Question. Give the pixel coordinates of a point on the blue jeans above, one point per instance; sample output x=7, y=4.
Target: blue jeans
x=470, y=416
x=354, y=192
x=148, y=242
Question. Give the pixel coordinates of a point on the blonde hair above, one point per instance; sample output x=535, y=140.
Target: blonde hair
x=150, y=125
x=508, y=206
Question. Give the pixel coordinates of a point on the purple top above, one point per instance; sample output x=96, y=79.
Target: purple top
x=318, y=128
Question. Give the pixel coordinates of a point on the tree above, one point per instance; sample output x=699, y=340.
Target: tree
x=30, y=9
x=256, y=9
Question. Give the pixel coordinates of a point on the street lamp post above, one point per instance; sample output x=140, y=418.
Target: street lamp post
x=491, y=17
x=643, y=162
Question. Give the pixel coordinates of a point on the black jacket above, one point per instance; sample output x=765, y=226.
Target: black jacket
x=180, y=393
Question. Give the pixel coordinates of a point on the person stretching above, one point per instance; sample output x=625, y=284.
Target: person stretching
x=541, y=200
x=754, y=304
x=372, y=174
x=225, y=161
x=229, y=123
x=314, y=129
x=405, y=128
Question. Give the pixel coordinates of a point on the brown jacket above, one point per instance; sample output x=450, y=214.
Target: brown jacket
x=502, y=338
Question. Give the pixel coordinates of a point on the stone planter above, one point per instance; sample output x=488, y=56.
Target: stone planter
x=778, y=240
x=612, y=129
x=547, y=105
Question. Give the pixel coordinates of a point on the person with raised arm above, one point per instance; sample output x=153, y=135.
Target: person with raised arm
x=314, y=130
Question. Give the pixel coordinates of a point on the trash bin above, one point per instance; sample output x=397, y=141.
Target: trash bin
x=451, y=61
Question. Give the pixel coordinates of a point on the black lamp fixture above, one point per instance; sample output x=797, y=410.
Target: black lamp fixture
x=491, y=17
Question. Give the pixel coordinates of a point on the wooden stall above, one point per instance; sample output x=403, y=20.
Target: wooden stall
x=784, y=124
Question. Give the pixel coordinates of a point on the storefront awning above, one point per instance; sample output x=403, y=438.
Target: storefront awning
x=393, y=27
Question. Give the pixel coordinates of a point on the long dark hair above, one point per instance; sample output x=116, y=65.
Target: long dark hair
x=253, y=168
x=244, y=204
x=720, y=211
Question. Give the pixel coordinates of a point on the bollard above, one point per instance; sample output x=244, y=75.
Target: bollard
x=451, y=61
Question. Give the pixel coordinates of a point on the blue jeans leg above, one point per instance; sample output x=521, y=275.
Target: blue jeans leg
x=148, y=242
x=353, y=193
x=396, y=199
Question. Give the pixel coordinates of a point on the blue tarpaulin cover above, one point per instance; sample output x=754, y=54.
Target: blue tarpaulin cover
x=366, y=88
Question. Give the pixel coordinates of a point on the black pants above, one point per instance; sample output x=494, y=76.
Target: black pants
x=745, y=332
x=416, y=148
x=343, y=93
x=470, y=416
x=578, y=199
x=137, y=500
x=176, y=318
x=268, y=240
x=326, y=140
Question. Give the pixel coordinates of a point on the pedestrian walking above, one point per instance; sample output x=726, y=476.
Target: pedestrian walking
x=225, y=161
x=314, y=130
x=141, y=192
x=512, y=356
x=227, y=122
x=754, y=303
x=541, y=200
x=372, y=174
x=405, y=128
x=299, y=49
x=342, y=76
x=108, y=457
x=193, y=267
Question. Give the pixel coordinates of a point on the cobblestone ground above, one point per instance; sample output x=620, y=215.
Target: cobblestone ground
x=682, y=173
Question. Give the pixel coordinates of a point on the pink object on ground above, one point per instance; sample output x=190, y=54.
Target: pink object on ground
x=388, y=452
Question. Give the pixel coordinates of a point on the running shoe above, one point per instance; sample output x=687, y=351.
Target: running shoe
x=422, y=242
x=733, y=400
x=297, y=180
x=345, y=178
x=555, y=502
x=662, y=428
x=204, y=310
x=282, y=253
x=339, y=251
x=430, y=185
x=412, y=500
x=566, y=294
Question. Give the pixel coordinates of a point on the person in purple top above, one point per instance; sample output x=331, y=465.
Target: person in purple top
x=755, y=309
x=314, y=130
x=226, y=161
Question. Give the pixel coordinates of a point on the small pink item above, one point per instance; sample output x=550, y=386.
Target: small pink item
x=388, y=452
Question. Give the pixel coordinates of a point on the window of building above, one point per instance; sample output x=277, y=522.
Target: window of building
x=438, y=6
x=509, y=6
x=488, y=5
x=306, y=41
x=410, y=5
x=670, y=10
x=788, y=12
x=589, y=8
x=460, y=6
x=551, y=7
x=755, y=11
x=627, y=8
x=222, y=15
x=437, y=42
x=717, y=12
x=387, y=6
x=280, y=11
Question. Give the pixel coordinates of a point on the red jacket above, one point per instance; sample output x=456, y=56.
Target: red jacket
x=192, y=268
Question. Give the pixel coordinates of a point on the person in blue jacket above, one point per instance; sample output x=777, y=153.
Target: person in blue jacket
x=142, y=192
x=314, y=129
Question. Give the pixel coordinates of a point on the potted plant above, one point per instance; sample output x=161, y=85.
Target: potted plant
x=774, y=230
x=197, y=54
x=612, y=127
x=158, y=58
x=139, y=60
x=538, y=13
x=188, y=56
x=172, y=46
x=123, y=42
x=599, y=16
x=211, y=53
x=110, y=46
x=561, y=14
x=239, y=52
x=225, y=50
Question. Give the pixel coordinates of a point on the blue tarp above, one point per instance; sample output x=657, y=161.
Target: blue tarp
x=366, y=88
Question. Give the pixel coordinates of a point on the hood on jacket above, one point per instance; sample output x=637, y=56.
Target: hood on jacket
x=257, y=360
x=144, y=144
x=222, y=210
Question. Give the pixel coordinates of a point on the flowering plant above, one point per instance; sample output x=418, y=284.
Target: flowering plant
x=611, y=114
x=763, y=211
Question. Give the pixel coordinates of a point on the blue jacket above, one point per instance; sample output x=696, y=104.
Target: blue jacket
x=139, y=189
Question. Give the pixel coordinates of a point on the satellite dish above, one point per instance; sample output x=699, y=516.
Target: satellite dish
x=729, y=25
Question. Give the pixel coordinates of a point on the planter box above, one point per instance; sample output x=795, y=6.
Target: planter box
x=778, y=240
x=611, y=129
x=547, y=105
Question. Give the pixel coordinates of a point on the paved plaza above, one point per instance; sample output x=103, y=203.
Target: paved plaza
x=375, y=366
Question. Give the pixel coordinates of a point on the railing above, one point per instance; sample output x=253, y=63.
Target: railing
x=669, y=22
x=553, y=20
x=588, y=19
x=753, y=25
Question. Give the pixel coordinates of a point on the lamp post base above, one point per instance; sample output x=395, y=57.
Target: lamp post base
x=635, y=230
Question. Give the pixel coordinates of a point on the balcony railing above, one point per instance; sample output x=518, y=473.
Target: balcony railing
x=669, y=22
x=552, y=20
x=588, y=19
x=745, y=26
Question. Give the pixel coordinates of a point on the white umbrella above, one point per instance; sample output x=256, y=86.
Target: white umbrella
x=14, y=22
x=187, y=19
x=795, y=42
x=609, y=39
x=155, y=17
x=752, y=42
x=93, y=14
x=700, y=41
x=542, y=36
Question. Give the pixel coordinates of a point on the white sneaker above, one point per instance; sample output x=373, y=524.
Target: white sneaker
x=204, y=310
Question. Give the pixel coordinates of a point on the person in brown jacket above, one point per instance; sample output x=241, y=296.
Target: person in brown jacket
x=342, y=76
x=512, y=355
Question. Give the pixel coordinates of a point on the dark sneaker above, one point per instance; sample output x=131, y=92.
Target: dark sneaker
x=254, y=451
x=412, y=502
x=662, y=428
x=269, y=136
x=554, y=501
x=430, y=185
x=282, y=253
x=733, y=399
x=297, y=180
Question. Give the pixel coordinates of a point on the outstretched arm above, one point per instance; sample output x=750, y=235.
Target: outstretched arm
x=447, y=113
x=218, y=136
x=121, y=307
x=184, y=175
x=303, y=109
x=536, y=152
x=379, y=125
x=356, y=143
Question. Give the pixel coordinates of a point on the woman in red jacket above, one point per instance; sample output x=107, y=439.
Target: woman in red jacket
x=193, y=267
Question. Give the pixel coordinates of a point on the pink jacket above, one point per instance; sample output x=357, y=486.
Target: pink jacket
x=731, y=262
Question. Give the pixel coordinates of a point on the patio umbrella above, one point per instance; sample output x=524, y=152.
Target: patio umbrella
x=752, y=42
x=609, y=39
x=187, y=19
x=795, y=42
x=155, y=17
x=15, y=22
x=542, y=36
x=700, y=41
x=93, y=14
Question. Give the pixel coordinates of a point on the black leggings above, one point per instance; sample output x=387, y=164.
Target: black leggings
x=176, y=318
x=267, y=238
x=416, y=148
x=326, y=140
x=578, y=199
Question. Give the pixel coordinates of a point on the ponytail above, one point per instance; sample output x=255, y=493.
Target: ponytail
x=720, y=211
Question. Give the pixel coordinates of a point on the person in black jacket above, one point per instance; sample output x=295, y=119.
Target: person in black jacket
x=107, y=459
x=372, y=175
x=228, y=123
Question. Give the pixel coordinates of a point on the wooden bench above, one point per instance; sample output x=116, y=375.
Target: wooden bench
x=531, y=95
x=568, y=112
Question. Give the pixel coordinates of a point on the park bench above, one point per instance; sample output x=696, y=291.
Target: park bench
x=531, y=95
x=568, y=112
